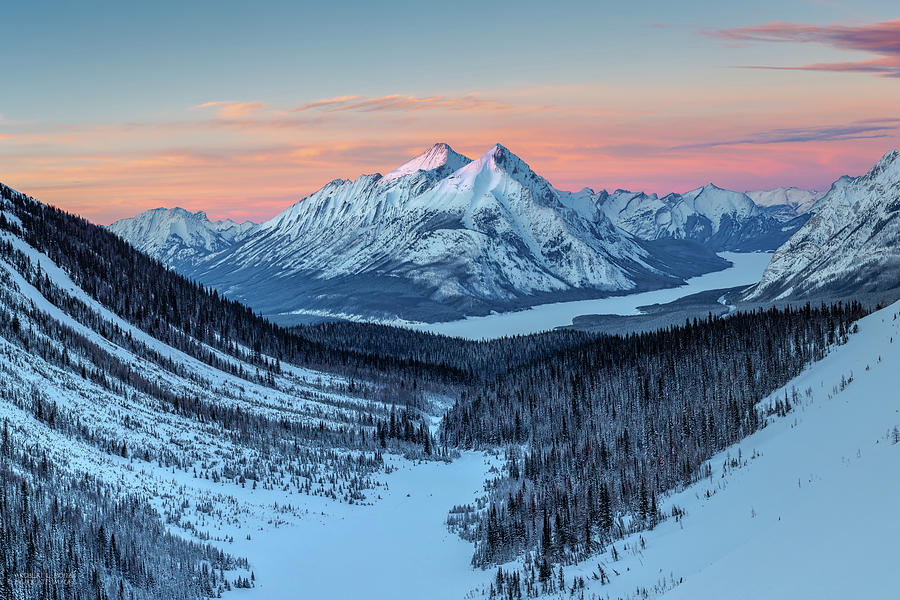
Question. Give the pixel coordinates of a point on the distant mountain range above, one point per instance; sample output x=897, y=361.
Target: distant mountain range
x=786, y=202
x=443, y=236
x=851, y=245
x=716, y=218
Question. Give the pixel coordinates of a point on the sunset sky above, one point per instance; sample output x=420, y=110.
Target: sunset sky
x=243, y=108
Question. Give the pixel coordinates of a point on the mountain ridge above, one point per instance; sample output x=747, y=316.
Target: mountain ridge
x=851, y=245
x=444, y=236
x=438, y=238
x=177, y=235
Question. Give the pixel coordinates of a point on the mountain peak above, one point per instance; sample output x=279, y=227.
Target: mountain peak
x=888, y=167
x=439, y=155
x=890, y=156
x=497, y=161
x=499, y=157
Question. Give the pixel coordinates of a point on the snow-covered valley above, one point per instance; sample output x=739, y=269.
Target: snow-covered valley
x=797, y=485
x=326, y=481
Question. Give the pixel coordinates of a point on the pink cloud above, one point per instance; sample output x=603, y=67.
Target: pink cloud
x=858, y=130
x=882, y=39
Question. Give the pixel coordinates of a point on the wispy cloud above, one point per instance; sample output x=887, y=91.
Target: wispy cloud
x=403, y=102
x=866, y=129
x=231, y=110
x=881, y=39
x=325, y=103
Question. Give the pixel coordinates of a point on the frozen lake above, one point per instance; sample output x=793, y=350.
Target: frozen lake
x=747, y=269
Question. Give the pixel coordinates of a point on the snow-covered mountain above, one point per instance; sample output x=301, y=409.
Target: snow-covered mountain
x=786, y=203
x=851, y=244
x=442, y=237
x=714, y=217
x=177, y=236
x=438, y=238
x=440, y=159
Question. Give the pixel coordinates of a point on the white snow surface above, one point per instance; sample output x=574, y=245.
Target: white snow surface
x=397, y=549
x=745, y=270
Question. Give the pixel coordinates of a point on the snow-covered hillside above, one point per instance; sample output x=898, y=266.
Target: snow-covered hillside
x=223, y=440
x=804, y=508
x=179, y=237
x=851, y=244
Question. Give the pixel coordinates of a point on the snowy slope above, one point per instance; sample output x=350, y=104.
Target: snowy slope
x=438, y=238
x=804, y=508
x=398, y=549
x=179, y=237
x=112, y=393
x=851, y=244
